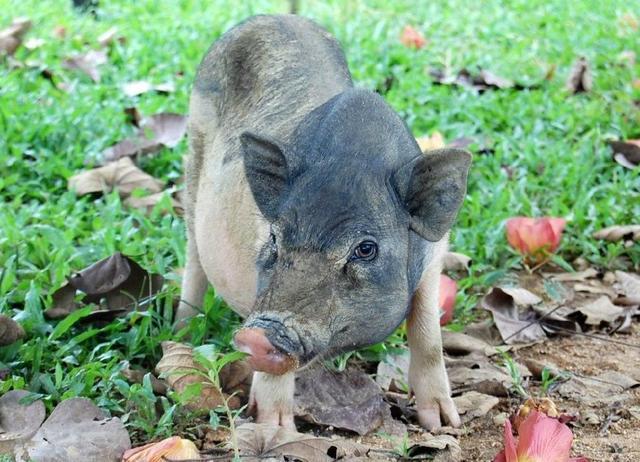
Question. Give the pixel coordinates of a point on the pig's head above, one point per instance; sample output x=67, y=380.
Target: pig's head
x=355, y=209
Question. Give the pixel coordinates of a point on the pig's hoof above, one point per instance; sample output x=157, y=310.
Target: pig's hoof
x=278, y=419
x=430, y=416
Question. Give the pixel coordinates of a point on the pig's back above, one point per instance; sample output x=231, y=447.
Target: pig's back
x=264, y=75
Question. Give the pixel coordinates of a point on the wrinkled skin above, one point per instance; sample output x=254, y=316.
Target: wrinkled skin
x=313, y=212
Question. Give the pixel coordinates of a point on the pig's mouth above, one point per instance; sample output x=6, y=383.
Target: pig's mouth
x=272, y=347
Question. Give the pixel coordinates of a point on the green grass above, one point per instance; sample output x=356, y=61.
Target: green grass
x=553, y=143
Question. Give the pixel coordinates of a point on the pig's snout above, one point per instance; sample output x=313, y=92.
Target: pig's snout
x=264, y=356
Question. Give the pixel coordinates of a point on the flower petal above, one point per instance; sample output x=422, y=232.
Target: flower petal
x=544, y=439
x=448, y=290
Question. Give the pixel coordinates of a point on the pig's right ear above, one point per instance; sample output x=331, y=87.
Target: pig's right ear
x=431, y=188
x=266, y=169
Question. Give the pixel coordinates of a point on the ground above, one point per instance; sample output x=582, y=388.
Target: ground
x=538, y=151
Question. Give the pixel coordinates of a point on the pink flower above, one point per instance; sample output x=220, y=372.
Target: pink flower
x=448, y=290
x=412, y=38
x=542, y=439
x=174, y=448
x=535, y=238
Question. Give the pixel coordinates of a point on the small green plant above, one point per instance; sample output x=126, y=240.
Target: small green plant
x=550, y=378
x=213, y=361
x=517, y=383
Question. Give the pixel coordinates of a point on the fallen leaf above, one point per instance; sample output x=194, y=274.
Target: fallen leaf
x=87, y=63
x=10, y=331
x=11, y=37
x=139, y=87
x=350, y=400
x=107, y=37
x=34, y=43
x=627, y=57
x=18, y=422
x=118, y=280
x=137, y=376
x=59, y=32
x=599, y=311
x=393, y=372
x=629, y=20
x=580, y=79
x=476, y=373
x=122, y=175
x=459, y=343
x=167, y=128
x=412, y=38
x=603, y=389
x=454, y=261
x=628, y=285
x=180, y=371
x=150, y=201
x=430, y=142
x=481, y=81
x=78, y=431
x=471, y=405
x=515, y=325
x=578, y=276
x=626, y=153
x=619, y=233
x=263, y=441
x=442, y=448
x=173, y=448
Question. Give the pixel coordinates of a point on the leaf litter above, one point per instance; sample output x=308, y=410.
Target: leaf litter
x=116, y=285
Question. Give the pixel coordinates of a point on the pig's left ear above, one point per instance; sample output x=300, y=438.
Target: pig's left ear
x=266, y=169
x=432, y=187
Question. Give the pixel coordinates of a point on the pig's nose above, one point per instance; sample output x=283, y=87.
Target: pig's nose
x=264, y=356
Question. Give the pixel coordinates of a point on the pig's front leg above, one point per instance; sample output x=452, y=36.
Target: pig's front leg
x=194, y=284
x=427, y=374
x=271, y=399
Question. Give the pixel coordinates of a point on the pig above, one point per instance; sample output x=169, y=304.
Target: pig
x=312, y=211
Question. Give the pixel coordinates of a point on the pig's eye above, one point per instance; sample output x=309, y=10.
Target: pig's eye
x=366, y=250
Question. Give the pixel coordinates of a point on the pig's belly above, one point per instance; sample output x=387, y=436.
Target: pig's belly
x=227, y=223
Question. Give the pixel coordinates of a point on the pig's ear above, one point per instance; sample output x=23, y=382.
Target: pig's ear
x=432, y=187
x=266, y=169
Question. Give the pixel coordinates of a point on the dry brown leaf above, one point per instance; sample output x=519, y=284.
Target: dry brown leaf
x=149, y=202
x=606, y=388
x=117, y=280
x=439, y=448
x=11, y=37
x=59, y=32
x=454, y=261
x=122, y=175
x=580, y=79
x=10, y=331
x=481, y=81
x=19, y=422
x=628, y=284
x=618, y=233
x=34, y=43
x=173, y=448
x=578, y=276
x=78, y=431
x=458, y=343
x=472, y=404
x=130, y=147
x=393, y=372
x=139, y=87
x=349, y=399
x=512, y=313
x=600, y=311
x=476, y=373
x=137, y=376
x=430, y=142
x=626, y=153
x=262, y=442
x=180, y=370
x=167, y=128
x=87, y=63
x=107, y=37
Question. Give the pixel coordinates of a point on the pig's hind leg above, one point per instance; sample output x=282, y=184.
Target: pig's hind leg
x=271, y=399
x=427, y=375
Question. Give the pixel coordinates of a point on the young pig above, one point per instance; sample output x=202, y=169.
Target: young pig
x=312, y=211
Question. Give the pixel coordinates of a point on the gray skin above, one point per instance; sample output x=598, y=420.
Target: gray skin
x=294, y=177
